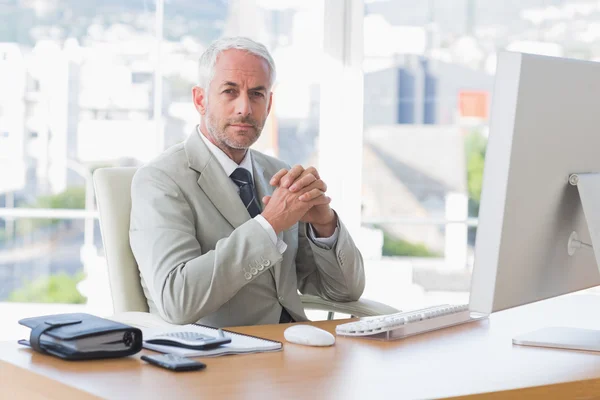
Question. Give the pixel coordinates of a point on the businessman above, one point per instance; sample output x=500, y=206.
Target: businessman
x=225, y=235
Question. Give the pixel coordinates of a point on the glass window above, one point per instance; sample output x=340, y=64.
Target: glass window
x=82, y=83
x=293, y=33
x=428, y=80
x=67, y=88
x=79, y=88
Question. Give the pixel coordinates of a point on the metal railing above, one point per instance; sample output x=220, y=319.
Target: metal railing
x=418, y=221
x=14, y=241
x=56, y=213
x=46, y=213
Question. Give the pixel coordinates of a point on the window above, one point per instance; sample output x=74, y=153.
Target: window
x=293, y=33
x=66, y=62
x=405, y=88
x=94, y=95
x=141, y=77
x=428, y=81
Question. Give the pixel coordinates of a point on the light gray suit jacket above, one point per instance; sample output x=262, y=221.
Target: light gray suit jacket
x=203, y=259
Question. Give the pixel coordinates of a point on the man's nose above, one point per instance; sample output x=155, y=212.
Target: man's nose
x=243, y=106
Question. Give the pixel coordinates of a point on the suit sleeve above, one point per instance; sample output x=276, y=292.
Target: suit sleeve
x=186, y=283
x=335, y=274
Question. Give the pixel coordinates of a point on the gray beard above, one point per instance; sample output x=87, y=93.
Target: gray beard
x=221, y=136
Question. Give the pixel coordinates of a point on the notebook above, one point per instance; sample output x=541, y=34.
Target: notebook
x=240, y=343
x=108, y=342
x=81, y=336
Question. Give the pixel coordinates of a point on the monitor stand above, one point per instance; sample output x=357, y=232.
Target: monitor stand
x=588, y=185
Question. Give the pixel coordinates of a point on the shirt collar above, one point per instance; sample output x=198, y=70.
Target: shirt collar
x=227, y=163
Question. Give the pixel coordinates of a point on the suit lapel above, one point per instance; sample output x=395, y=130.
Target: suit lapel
x=263, y=188
x=214, y=182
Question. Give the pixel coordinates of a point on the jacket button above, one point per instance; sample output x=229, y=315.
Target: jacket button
x=260, y=267
x=254, y=271
x=280, y=298
x=266, y=263
x=248, y=276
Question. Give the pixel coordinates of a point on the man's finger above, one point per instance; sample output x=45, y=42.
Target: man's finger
x=275, y=179
x=311, y=195
x=319, y=201
x=291, y=176
x=318, y=184
x=313, y=170
x=323, y=185
x=266, y=200
x=309, y=171
x=305, y=180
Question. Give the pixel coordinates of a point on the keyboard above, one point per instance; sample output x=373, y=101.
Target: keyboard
x=403, y=324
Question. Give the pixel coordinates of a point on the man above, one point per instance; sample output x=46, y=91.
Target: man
x=207, y=250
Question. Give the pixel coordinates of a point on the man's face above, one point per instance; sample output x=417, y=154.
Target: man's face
x=237, y=103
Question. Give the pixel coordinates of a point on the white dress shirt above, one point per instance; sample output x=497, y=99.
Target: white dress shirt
x=229, y=166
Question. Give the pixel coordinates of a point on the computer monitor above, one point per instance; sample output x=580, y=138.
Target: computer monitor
x=544, y=130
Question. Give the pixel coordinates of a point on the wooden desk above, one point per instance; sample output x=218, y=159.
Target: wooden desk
x=463, y=360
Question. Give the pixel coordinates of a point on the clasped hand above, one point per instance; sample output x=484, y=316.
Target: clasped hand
x=299, y=196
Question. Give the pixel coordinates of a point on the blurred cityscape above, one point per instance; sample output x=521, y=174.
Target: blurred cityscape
x=79, y=91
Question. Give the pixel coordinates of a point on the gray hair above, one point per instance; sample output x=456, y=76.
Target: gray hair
x=208, y=59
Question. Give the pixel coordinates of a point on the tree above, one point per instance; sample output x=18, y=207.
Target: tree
x=59, y=288
x=475, y=149
x=401, y=248
x=71, y=198
x=475, y=145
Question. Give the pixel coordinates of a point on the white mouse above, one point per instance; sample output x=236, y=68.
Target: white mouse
x=308, y=335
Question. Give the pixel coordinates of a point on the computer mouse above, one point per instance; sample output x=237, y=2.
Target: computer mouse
x=308, y=335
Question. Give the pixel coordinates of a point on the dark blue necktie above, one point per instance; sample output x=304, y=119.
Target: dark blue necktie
x=243, y=179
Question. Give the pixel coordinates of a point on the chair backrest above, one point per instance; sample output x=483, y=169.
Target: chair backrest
x=113, y=196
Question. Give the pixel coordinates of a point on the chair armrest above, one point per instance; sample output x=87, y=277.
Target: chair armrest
x=140, y=319
x=360, y=308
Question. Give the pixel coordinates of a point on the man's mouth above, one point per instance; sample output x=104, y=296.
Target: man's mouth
x=242, y=125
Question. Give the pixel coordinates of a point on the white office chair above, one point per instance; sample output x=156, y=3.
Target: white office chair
x=113, y=195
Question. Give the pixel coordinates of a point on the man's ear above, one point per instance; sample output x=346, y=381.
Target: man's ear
x=200, y=97
x=270, y=103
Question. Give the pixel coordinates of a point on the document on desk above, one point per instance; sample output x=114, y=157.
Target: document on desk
x=240, y=343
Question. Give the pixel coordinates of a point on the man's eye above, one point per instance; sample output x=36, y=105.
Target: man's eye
x=258, y=94
x=228, y=91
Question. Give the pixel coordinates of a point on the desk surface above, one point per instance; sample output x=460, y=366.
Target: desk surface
x=467, y=359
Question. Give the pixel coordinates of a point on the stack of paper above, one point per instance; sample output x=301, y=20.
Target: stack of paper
x=240, y=343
